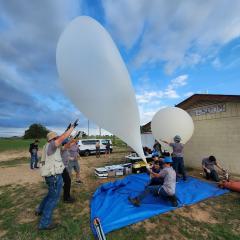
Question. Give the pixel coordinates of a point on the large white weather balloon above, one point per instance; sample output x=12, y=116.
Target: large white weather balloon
x=96, y=79
x=171, y=121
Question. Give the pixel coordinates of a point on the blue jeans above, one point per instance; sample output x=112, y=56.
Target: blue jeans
x=34, y=160
x=178, y=165
x=48, y=204
x=155, y=190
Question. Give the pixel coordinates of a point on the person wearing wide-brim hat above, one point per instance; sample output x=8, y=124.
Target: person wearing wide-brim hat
x=51, y=169
x=166, y=190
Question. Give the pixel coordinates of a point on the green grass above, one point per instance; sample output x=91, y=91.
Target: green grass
x=17, y=204
x=17, y=144
x=23, y=144
x=14, y=162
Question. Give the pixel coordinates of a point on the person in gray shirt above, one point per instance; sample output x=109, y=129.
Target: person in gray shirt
x=208, y=167
x=177, y=154
x=166, y=190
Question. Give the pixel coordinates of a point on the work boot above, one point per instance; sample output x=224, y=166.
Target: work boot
x=50, y=227
x=173, y=200
x=37, y=213
x=69, y=200
x=135, y=201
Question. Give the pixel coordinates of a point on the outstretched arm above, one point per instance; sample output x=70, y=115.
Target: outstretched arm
x=164, y=141
x=219, y=166
x=66, y=134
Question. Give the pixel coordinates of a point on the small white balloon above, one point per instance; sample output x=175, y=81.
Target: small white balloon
x=171, y=121
x=96, y=79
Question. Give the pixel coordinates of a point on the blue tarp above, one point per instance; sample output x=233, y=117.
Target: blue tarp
x=110, y=201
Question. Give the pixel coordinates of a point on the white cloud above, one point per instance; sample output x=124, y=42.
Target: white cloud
x=152, y=97
x=179, y=81
x=148, y=113
x=151, y=101
x=176, y=33
x=148, y=97
x=170, y=93
x=217, y=63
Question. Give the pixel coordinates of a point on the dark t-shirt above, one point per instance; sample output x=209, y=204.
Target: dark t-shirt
x=33, y=148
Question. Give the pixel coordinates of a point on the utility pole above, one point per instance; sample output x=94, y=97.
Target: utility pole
x=100, y=131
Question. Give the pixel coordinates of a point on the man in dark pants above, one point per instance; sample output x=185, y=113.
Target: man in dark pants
x=65, y=175
x=177, y=154
x=33, y=149
x=208, y=167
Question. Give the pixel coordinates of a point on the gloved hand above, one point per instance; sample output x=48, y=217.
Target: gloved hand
x=77, y=135
x=68, y=127
x=75, y=123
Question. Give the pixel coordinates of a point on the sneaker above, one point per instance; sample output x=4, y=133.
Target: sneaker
x=79, y=182
x=135, y=202
x=70, y=200
x=37, y=213
x=173, y=200
x=36, y=167
x=50, y=227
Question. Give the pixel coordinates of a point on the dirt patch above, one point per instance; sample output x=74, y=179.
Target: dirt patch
x=26, y=216
x=21, y=174
x=150, y=226
x=2, y=232
x=173, y=234
x=11, y=155
x=197, y=213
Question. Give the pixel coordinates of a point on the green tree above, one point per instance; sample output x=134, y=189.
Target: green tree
x=36, y=130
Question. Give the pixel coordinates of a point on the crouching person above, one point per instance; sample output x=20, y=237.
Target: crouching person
x=166, y=190
x=208, y=167
x=51, y=169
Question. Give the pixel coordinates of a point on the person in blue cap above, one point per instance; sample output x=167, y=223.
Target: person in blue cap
x=166, y=190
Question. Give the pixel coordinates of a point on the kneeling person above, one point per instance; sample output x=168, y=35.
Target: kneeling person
x=166, y=190
x=208, y=167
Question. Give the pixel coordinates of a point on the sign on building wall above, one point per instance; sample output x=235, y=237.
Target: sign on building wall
x=208, y=110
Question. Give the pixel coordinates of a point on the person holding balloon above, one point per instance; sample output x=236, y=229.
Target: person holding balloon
x=52, y=167
x=166, y=188
x=177, y=154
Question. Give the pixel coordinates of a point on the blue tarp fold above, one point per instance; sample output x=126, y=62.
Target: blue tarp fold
x=110, y=201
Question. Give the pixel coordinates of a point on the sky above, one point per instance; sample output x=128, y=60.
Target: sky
x=172, y=49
